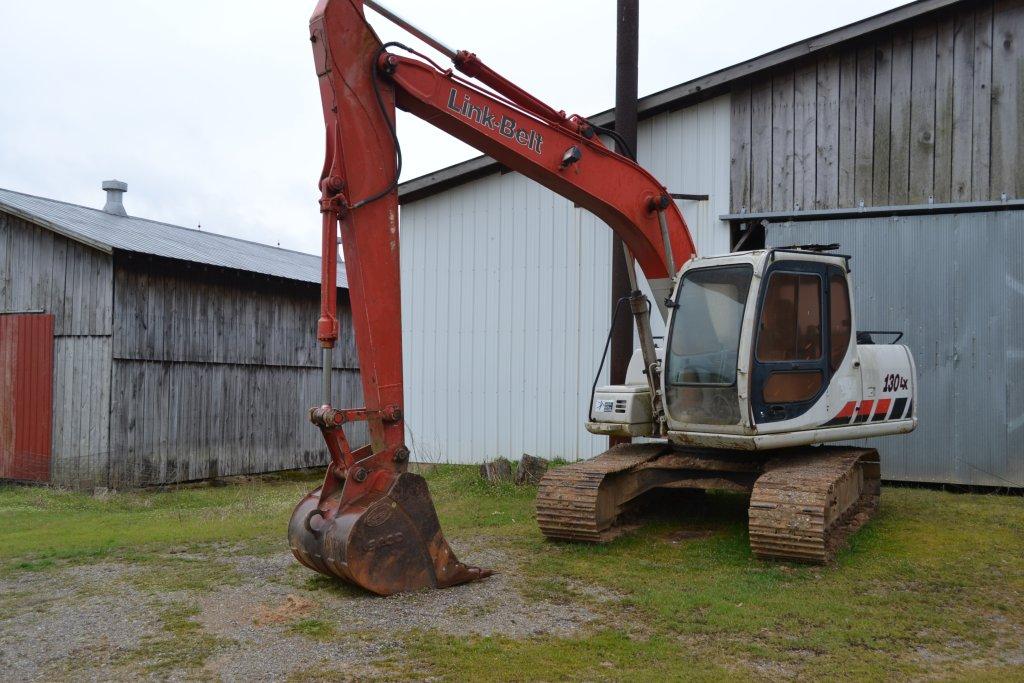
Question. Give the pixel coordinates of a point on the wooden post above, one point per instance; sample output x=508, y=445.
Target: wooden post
x=626, y=48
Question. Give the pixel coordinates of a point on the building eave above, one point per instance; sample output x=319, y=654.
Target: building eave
x=691, y=92
x=54, y=227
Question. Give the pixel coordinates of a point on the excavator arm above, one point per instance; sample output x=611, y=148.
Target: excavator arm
x=372, y=522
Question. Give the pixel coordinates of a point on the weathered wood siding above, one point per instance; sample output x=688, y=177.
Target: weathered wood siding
x=183, y=421
x=214, y=373
x=81, y=411
x=928, y=112
x=40, y=270
x=44, y=271
x=172, y=311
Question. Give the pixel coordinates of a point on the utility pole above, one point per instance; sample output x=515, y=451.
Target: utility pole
x=627, y=38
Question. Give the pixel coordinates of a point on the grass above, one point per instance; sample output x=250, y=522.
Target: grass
x=42, y=526
x=316, y=629
x=605, y=654
x=932, y=588
x=160, y=574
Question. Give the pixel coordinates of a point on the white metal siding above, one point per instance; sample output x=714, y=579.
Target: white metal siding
x=688, y=151
x=505, y=298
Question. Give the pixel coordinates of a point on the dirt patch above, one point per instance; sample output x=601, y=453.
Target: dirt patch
x=278, y=621
x=773, y=670
x=291, y=609
x=494, y=606
x=280, y=599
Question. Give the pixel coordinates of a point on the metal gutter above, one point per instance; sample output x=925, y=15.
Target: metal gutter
x=690, y=92
x=873, y=211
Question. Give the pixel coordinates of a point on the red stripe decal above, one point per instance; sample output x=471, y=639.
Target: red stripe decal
x=847, y=410
x=883, y=406
x=865, y=408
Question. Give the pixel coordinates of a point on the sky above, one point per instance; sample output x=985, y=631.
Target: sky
x=209, y=109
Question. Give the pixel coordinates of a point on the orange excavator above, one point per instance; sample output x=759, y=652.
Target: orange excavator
x=760, y=366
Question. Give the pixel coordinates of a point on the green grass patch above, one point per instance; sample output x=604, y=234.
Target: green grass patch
x=315, y=629
x=164, y=575
x=933, y=587
x=34, y=565
x=608, y=654
x=41, y=526
x=467, y=503
x=932, y=572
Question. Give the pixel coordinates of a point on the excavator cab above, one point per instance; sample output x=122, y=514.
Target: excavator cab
x=761, y=353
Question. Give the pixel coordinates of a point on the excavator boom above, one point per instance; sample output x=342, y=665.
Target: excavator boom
x=372, y=522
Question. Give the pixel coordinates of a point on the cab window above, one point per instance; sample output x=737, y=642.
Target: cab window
x=706, y=328
x=703, y=345
x=790, y=325
x=840, y=320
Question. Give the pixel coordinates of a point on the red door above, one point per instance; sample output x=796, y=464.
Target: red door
x=26, y=396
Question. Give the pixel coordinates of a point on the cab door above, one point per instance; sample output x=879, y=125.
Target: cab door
x=791, y=365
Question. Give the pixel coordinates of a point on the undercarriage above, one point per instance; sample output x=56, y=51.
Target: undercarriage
x=804, y=502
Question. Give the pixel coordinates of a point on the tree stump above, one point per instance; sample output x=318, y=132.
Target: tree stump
x=496, y=470
x=530, y=469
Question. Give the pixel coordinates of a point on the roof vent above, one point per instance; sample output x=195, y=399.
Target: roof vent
x=114, y=190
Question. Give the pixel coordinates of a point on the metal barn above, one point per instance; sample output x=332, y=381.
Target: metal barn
x=134, y=352
x=899, y=136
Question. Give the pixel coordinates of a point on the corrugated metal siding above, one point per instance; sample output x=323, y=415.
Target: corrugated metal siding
x=499, y=280
x=688, y=151
x=506, y=298
x=26, y=366
x=1014, y=336
x=954, y=284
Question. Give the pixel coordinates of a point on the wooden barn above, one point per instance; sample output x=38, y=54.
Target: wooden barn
x=134, y=352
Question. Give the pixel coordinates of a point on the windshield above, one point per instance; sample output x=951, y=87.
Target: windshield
x=705, y=337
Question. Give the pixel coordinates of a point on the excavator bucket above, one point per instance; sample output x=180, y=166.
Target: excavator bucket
x=385, y=541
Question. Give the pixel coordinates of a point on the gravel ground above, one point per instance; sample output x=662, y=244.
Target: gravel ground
x=91, y=622
x=79, y=621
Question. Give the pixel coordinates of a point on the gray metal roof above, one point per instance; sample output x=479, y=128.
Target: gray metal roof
x=689, y=92
x=108, y=232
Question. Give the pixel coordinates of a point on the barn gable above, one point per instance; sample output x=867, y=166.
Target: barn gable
x=178, y=354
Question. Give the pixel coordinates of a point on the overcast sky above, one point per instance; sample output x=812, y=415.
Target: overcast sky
x=209, y=109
